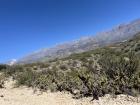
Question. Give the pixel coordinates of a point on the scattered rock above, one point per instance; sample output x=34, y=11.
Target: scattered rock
x=1, y=96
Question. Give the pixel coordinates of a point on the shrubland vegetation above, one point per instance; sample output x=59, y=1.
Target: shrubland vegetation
x=109, y=70
x=109, y=73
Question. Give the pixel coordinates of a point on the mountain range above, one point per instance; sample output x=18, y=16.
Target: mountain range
x=119, y=33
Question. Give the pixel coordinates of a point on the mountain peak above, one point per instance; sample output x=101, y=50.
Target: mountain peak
x=116, y=34
x=12, y=62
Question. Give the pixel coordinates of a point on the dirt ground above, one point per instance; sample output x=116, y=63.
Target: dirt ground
x=25, y=96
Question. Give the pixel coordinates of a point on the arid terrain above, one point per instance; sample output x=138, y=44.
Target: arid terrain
x=26, y=96
x=70, y=52
x=83, y=75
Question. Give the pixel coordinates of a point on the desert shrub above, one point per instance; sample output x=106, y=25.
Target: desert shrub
x=46, y=80
x=11, y=70
x=2, y=80
x=43, y=82
x=137, y=48
x=120, y=72
x=3, y=67
x=68, y=81
x=63, y=67
x=103, y=71
x=25, y=78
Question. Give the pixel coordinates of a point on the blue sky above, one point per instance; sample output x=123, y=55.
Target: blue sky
x=29, y=25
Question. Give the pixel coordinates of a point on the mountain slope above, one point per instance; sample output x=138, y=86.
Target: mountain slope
x=113, y=69
x=11, y=62
x=117, y=34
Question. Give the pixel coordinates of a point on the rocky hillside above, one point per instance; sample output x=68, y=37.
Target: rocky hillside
x=120, y=33
x=113, y=69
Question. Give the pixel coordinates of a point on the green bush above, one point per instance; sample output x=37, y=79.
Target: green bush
x=11, y=70
x=3, y=67
x=120, y=72
x=2, y=80
x=26, y=77
x=104, y=71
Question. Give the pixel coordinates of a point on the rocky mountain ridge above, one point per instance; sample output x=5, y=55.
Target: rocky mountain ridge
x=116, y=34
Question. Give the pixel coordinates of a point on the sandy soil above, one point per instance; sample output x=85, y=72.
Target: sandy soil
x=25, y=96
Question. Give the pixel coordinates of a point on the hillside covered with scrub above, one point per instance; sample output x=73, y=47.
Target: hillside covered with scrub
x=113, y=69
